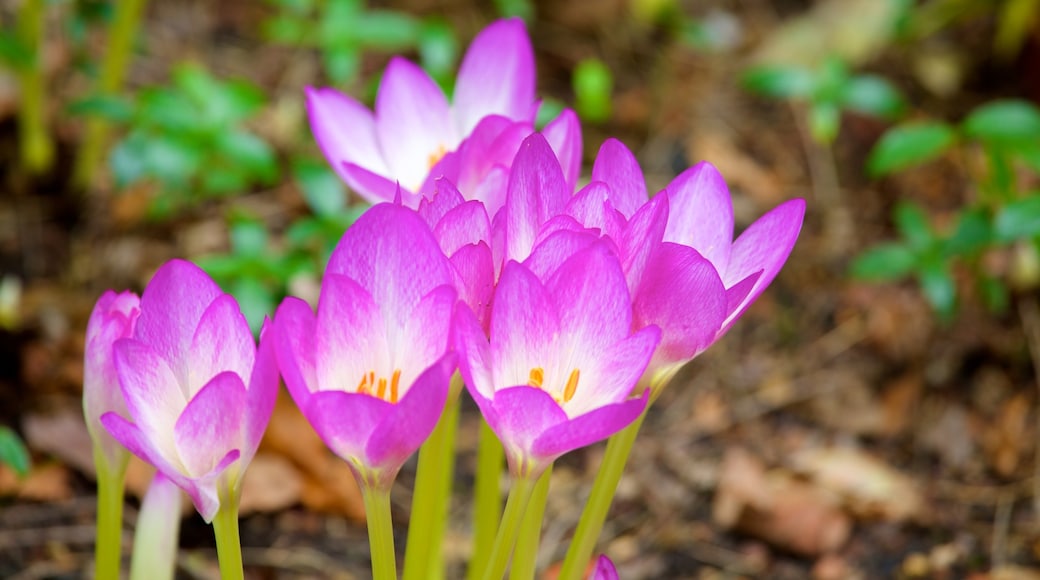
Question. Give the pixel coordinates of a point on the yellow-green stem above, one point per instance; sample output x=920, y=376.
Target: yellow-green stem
x=595, y=513
x=37, y=149
x=424, y=554
x=229, y=547
x=380, y=532
x=505, y=539
x=487, y=499
x=108, y=547
x=113, y=70
x=525, y=558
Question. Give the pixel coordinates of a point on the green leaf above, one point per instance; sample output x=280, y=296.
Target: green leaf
x=127, y=160
x=217, y=181
x=781, y=82
x=255, y=299
x=248, y=237
x=322, y=188
x=438, y=51
x=908, y=145
x=15, y=54
x=172, y=161
x=1006, y=122
x=884, y=262
x=249, y=152
x=913, y=225
x=994, y=293
x=163, y=108
x=1018, y=219
x=342, y=65
x=824, y=121
x=873, y=95
x=387, y=30
x=972, y=234
x=13, y=452
x=593, y=83
x=938, y=286
x=549, y=109
x=110, y=107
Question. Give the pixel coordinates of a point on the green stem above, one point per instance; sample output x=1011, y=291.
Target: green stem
x=113, y=70
x=108, y=549
x=487, y=499
x=158, y=524
x=37, y=149
x=424, y=556
x=526, y=556
x=585, y=536
x=505, y=539
x=229, y=547
x=380, y=532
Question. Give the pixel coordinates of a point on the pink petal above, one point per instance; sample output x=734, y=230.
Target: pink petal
x=466, y=224
x=520, y=416
x=610, y=375
x=555, y=249
x=616, y=166
x=764, y=246
x=604, y=569
x=496, y=76
x=153, y=394
x=536, y=192
x=212, y=424
x=350, y=338
x=293, y=333
x=346, y=421
x=413, y=122
x=425, y=338
x=393, y=255
x=114, y=317
x=375, y=188
x=474, y=277
x=593, y=208
x=471, y=343
x=524, y=326
x=345, y=131
x=640, y=238
x=171, y=307
x=262, y=391
x=592, y=298
x=222, y=342
x=701, y=213
x=137, y=441
x=683, y=295
x=410, y=422
x=564, y=136
x=587, y=429
x=493, y=143
x=446, y=197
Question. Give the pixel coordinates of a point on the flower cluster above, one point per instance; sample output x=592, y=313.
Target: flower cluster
x=564, y=309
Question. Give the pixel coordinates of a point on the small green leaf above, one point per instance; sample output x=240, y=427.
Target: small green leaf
x=127, y=160
x=593, y=83
x=873, y=95
x=387, y=30
x=972, y=234
x=248, y=237
x=13, y=452
x=172, y=161
x=323, y=190
x=938, y=286
x=549, y=109
x=250, y=152
x=994, y=293
x=1018, y=219
x=1004, y=122
x=15, y=54
x=913, y=225
x=438, y=51
x=255, y=299
x=908, y=145
x=217, y=181
x=824, y=121
x=342, y=65
x=110, y=107
x=781, y=82
x=884, y=262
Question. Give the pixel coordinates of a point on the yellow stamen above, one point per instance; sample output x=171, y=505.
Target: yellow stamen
x=381, y=393
x=436, y=156
x=572, y=386
x=537, y=377
x=394, y=383
x=379, y=388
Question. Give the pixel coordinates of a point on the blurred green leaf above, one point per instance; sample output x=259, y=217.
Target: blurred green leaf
x=873, y=95
x=824, y=121
x=387, y=30
x=593, y=84
x=884, y=262
x=172, y=161
x=938, y=286
x=1018, y=219
x=342, y=65
x=548, y=110
x=114, y=108
x=13, y=452
x=322, y=188
x=164, y=108
x=994, y=293
x=15, y=54
x=127, y=160
x=250, y=152
x=1006, y=122
x=780, y=82
x=521, y=8
x=913, y=225
x=248, y=237
x=221, y=181
x=972, y=234
x=254, y=298
x=438, y=51
x=908, y=145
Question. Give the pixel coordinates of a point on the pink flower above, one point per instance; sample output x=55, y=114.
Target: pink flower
x=415, y=136
x=113, y=318
x=198, y=392
x=561, y=361
x=604, y=569
x=371, y=369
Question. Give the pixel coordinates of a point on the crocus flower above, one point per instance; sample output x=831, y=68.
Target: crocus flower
x=371, y=369
x=113, y=318
x=415, y=136
x=604, y=569
x=561, y=361
x=198, y=391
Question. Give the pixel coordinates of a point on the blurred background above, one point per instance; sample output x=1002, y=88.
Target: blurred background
x=874, y=415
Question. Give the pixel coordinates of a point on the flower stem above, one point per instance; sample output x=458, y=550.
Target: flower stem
x=36, y=146
x=505, y=539
x=380, y=532
x=158, y=525
x=424, y=556
x=487, y=499
x=229, y=547
x=526, y=556
x=108, y=549
x=113, y=69
x=585, y=536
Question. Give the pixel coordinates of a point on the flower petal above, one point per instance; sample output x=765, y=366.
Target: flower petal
x=427, y=335
x=222, y=342
x=589, y=428
x=496, y=76
x=345, y=131
x=591, y=296
x=445, y=198
x=464, y=225
x=564, y=136
x=524, y=326
x=474, y=276
x=536, y=192
x=212, y=424
x=640, y=238
x=520, y=416
x=618, y=370
x=350, y=338
x=557, y=248
x=294, y=331
x=616, y=166
x=474, y=354
x=375, y=188
x=137, y=441
x=262, y=392
x=346, y=421
x=700, y=213
x=154, y=396
x=764, y=246
x=413, y=122
x=593, y=208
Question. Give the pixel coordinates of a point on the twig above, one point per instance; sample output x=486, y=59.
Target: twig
x=1001, y=522
x=1027, y=311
